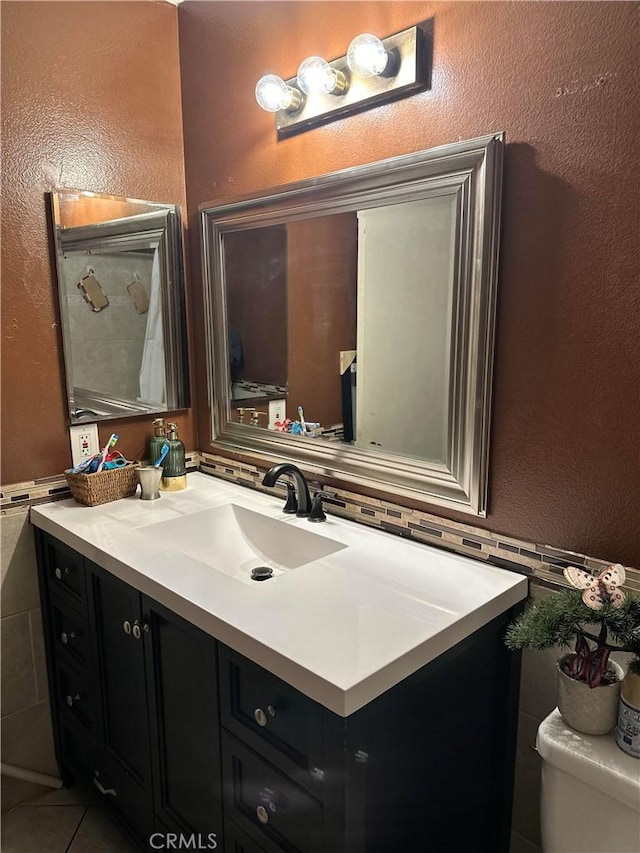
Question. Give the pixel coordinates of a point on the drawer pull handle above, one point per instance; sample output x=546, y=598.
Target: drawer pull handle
x=65, y=638
x=126, y=626
x=59, y=572
x=136, y=631
x=108, y=792
x=260, y=717
x=263, y=814
x=71, y=700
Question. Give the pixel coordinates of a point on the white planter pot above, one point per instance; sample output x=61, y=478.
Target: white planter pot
x=590, y=710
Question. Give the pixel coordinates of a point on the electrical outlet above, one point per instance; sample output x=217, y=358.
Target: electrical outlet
x=277, y=412
x=84, y=442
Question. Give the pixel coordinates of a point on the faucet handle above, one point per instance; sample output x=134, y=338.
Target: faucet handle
x=291, y=506
x=317, y=513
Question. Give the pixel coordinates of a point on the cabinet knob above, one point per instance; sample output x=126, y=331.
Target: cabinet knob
x=71, y=700
x=65, y=638
x=136, y=630
x=126, y=626
x=263, y=814
x=260, y=717
x=59, y=572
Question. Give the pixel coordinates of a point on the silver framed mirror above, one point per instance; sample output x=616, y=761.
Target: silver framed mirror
x=350, y=322
x=121, y=291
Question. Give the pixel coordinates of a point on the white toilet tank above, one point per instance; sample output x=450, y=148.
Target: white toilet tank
x=590, y=800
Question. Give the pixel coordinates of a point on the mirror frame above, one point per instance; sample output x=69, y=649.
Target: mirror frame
x=164, y=226
x=472, y=171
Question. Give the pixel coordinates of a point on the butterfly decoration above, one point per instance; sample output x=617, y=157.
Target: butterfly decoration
x=599, y=589
x=586, y=665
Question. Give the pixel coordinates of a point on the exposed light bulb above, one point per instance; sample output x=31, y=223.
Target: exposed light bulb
x=273, y=94
x=367, y=56
x=316, y=76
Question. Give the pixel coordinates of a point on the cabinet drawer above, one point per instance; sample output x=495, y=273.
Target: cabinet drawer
x=70, y=636
x=76, y=698
x=272, y=717
x=65, y=573
x=267, y=805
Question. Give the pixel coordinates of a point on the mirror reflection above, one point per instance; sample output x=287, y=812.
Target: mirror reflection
x=343, y=324
x=120, y=286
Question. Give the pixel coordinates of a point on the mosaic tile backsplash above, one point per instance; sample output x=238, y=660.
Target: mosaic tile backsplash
x=541, y=563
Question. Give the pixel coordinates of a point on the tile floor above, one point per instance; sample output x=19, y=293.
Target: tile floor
x=70, y=820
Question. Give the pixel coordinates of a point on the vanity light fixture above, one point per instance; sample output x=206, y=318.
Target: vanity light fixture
x=317, y=77
x=368, y=57
x=373, y=71
x=274, y=95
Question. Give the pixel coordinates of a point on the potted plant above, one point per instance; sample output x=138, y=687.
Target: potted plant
x=599, y=620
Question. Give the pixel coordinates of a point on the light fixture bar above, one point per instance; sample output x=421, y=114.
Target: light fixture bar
x=411, y=49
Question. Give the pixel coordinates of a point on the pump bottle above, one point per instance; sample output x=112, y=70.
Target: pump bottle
x=174, y=477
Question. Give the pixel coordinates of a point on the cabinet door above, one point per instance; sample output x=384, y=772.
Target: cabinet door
x=183, y=697
x=270, y=808
x=125, y=730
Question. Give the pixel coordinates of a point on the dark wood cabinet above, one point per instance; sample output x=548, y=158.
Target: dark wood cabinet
x=124, y=764
x=135, y=700
x=183, y=735
x=183, y=688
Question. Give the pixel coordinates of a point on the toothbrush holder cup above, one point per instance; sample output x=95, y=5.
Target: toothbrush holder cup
x=149, y=478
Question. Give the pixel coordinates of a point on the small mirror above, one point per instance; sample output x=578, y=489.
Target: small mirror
x=351, y=322
x=121, y=289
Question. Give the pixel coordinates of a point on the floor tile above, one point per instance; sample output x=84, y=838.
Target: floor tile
x=76, y=796
x=40, y=829
x=13, y=792
x=98, y=834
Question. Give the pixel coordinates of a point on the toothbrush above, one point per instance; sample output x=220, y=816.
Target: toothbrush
x=82, y=466
x=163, y=453
x=301, y=416
x=111, y=443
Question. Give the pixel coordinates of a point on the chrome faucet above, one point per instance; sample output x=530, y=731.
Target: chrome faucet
x=302, y=503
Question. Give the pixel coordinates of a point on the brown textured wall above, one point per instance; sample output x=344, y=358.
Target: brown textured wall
x=562, y=80
x=90, y=100
x=322, y=261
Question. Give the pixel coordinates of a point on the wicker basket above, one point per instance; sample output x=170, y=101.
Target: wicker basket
x=109, y=485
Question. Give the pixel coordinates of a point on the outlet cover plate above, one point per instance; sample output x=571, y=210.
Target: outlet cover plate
x=84, y=442
x=277, y=412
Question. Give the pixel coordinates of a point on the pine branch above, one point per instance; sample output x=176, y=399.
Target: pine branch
x=558, y=619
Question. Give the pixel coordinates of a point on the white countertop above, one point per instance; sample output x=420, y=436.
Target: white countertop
x=342, y=629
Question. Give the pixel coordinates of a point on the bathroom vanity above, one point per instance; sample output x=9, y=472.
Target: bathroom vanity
x=358, y=701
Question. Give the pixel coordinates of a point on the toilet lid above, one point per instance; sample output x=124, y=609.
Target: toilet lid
x=594, y=759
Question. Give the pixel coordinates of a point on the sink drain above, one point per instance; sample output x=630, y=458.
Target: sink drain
x=261, y=573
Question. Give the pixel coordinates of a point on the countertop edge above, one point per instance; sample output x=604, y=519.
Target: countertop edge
x=341, y=701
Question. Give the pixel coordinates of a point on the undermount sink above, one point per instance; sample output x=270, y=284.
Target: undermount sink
x=236, y=540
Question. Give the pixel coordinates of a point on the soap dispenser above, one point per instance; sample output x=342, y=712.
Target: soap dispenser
x=174, y=477
x=157, y=440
